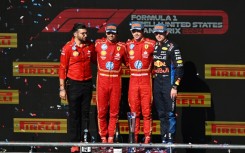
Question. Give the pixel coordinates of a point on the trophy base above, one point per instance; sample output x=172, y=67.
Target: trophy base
x=117, y=150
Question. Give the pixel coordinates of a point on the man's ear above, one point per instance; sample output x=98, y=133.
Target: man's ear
x=75, y=34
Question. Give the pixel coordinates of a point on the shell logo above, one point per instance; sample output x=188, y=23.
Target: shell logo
x=103, y=53
x=131, y=52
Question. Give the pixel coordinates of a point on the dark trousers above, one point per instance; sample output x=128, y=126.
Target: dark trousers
x=79, y=95
x=165, y=106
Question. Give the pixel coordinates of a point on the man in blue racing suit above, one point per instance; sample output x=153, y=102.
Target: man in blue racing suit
x=168, y=71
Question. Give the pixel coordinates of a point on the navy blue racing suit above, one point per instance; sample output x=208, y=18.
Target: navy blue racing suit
x=168, y=71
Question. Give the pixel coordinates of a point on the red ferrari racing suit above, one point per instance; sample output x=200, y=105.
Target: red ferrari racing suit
x=140, y=56
x=110, y=57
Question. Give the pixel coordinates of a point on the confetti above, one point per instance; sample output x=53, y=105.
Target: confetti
x=58, y=107
x=49, y=55
x=26, y=81
x=32, y=114
x=10, y=7
x=39, y=86
x=5, y=80
x=51, y=107
x=16, y=109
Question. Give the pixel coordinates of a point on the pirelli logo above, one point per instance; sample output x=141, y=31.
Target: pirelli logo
x=185, y=99
x=213, y=71
x=9, y=97
x=219, y=128
x=123, y=124
x=8, y=40
x=49, y=69
x=35, y=125
x=93, y=100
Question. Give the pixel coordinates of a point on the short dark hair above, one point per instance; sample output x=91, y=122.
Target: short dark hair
x=78, y=26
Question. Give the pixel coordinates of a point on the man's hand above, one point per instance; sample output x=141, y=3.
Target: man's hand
x=173, y=94
x=63, y=94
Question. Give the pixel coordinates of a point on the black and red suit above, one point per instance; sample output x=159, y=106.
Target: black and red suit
x=168, y=70
x=75, y=68
x=110, y=57
x=140, y=58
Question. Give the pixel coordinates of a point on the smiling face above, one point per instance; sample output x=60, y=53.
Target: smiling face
x=137, y=34
x=111, y=36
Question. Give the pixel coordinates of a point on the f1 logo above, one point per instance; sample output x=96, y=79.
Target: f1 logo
x=93, y=18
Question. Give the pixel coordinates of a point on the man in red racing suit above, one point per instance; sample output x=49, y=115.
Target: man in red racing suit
x=140, y=54
x=110, y=56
